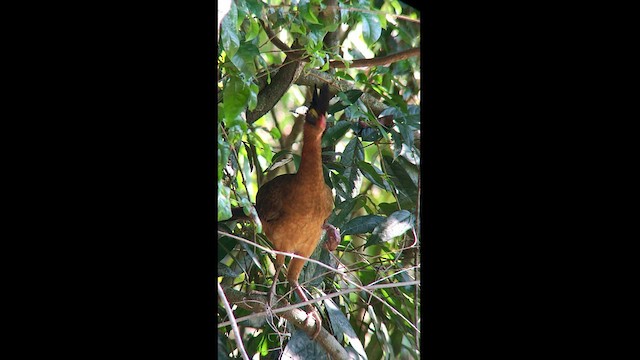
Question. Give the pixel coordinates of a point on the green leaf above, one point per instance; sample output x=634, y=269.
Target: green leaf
x=362, y=224
x=373, y=174
x=255, y=7
x=370, y=134
x=254, y=29
x=275, y=133
x=335, y=133
x=226, y=271
x=223, y=351
x=307, y=13
x=403, y=175
x=224, y=150
x=342, y=210
x=261, y=146
x=325, y=67
x=383, y=20
x=345, y=332
x=229, y=31
x=352, y=153
x=362, y=78
x=253, y=96
x=371, y=29
x=347, y=98
x=224, y=205
x=244, y=58
x=338, y=181
x=225, y=243
x=388, y=208
x=297, y=29
x=236, y=98
x=251, y=254
x=395, y=225
x=343, y=75
x=351, y=96
x=280, y=158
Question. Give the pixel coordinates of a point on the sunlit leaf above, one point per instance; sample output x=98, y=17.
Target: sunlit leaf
x=307, y=13
x=353, y=153
x=371, y=29
x=254, y=29
x=236, y=98
x=229, y=31
x=346, y=334
x=396, y=224
x=244, y=58
x=224, y=206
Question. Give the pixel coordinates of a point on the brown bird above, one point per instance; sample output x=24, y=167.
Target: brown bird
x=293, y=208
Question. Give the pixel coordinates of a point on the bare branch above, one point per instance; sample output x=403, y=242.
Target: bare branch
x=360, y=287
x=299, y=318
x=234, y=324
x=377, y=61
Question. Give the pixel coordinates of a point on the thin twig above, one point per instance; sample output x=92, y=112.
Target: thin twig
x=297, y=317
x=233, y=323
x=327, y=267
x=327, y=296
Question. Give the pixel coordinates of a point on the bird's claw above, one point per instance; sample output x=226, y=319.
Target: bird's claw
x=333, y=237
x=318, y=322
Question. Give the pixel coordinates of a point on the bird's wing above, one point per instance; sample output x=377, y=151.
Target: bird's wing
x=271, y=199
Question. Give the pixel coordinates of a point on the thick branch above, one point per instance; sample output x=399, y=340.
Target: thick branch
x=280, y=83
x=315, y=77
x=256, y=302
x=377, y=61
x=274, y=38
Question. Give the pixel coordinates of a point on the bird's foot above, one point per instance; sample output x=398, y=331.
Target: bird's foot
x=318, y=322
x=333, y=237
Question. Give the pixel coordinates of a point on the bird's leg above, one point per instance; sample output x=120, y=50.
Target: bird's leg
x=293, y=272
x=272, y=291
x=333, y=236
x=298, y=289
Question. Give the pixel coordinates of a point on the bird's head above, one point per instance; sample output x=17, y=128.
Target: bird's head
x=317, y=113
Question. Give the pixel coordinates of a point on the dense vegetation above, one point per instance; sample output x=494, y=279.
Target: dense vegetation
x=270, y=56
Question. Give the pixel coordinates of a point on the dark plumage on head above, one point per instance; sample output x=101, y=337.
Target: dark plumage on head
x=319, y=104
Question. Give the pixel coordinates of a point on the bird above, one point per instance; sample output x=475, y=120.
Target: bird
x=294, y=208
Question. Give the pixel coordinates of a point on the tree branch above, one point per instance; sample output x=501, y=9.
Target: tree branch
x=377, y=61
x=298, y=317
x=280, y=83
x=315, y=77
x=274, y=37
x=234, y=324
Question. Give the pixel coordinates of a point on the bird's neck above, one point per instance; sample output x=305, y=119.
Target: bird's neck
x=311, y=162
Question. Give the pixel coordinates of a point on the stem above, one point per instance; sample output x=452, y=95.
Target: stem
x=234, y=323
